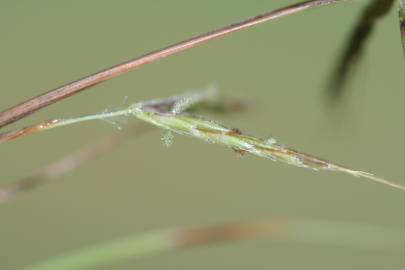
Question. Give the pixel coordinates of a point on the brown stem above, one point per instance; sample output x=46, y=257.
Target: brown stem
x=12, y=135
x=69, y=163
x=28, y=107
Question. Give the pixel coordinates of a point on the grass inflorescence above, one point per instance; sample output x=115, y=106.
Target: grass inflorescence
x=173, y=114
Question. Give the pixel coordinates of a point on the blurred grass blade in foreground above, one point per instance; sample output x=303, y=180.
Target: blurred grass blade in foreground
x=354, y=236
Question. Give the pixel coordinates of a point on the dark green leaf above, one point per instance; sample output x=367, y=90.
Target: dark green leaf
x=401, y=12
x=355, y=45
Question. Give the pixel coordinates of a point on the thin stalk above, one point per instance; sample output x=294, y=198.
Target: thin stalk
x=205, y=100
x=55, y=123
x=30, y=106
x=70, y=162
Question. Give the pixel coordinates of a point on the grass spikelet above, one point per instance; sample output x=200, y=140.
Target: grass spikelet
x=214, y=132
x=172, y=115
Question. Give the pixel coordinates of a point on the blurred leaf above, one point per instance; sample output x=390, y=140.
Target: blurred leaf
x=355, y=45
x=356, y=236
x=402, y=22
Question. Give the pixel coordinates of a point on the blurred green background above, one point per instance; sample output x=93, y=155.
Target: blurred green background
x=281, y=67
